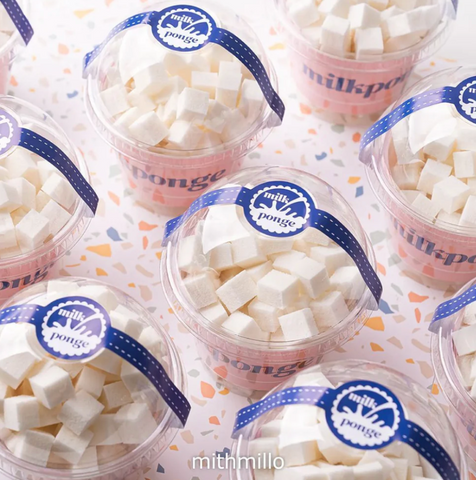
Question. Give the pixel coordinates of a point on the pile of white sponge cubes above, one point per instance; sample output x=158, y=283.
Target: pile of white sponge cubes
x=68, y=414
x=36, y=202
x=301, y=437
x=271, y=289
x=465, y=348
x=364, y=28
x=180, y=101
x=434, y=165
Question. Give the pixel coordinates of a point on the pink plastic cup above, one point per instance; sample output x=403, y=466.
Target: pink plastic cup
x=418, y=403
x=247, y=365
x=441, y=253
x=462, y=407
x=20, y=271
x=169, y=180
x=347, y=90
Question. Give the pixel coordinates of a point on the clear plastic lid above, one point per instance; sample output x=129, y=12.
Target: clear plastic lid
x=74, y=405
x=434, y=146
x=246, y=269
x=33, y=187
x=309, y=438
x=124, y=85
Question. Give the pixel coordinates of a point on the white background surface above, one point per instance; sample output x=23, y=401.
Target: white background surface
x=49, y=75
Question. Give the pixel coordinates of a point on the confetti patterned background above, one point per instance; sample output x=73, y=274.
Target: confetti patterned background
x=122, y=245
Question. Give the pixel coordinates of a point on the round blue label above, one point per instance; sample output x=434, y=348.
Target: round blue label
x=73, y=328
x=10, y=131
x=365, y=415
x=183, y=28
x=466, y=102
x=279, y=209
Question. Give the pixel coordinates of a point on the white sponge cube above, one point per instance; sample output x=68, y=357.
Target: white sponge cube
x=57, y=216
x=105, y=430
x=80, y=412
x=115, y=99
x=60, y=190
x=246, y=252
x=244, y=326
x=34, y=447
x=69, y=446
x=368, y=41
x=32, y=230
x=217, y=116
x=206, y=81
x=432, y=173
x=407, y=176
x=52, y=386
x=236, y=125
x=229, y=83
x=115, y=395
x=192, y=105
x=215, y=313
x=26, y=190
x=286, y=261
x=184, y=135
x=90, y=381
x=312, y=275
x=278, y=289
x=348, y=281
x=298, y=325
x=21, y=413
x=333, y=257
x=149, y=129
x=135, y=422
x=468, y=217
x=303, y=12
x=9, y=197
x=201, y=289
x=221, y=257
x=363, y=16
x=270, y=245
x=335, y=35
x=251, y=99
x=329, y=310
x=465, y=164
x=464, y=340
x=266, y=316
x=259, y=271
x=108, y=362
x=440, y=149
x=238, y=291
x=8, y=237
x=450, y=194
x=426, y=207
x=152, y=80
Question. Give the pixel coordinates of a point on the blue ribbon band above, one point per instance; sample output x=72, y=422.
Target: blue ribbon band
x=322, y=397
x=321, y=220
x=219, y=36
x=51, y=153
x=122, y=345
x=19, y=19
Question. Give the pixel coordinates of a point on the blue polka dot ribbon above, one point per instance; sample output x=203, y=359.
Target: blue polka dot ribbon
x=361, y=414
x=450, y=307
x=19, y=19
x=12, y=135
x=318, y=219
x=68, y=324
x=186, y=28
x=463, y=97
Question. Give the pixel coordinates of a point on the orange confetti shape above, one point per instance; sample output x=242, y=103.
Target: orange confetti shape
x=415, y=298
x=353, y=180
x=312, y=131
x=356, y=137
x=305, y=109
x=63, y=49
x=83, y=258
x=278, y=152
x=82, y=13
x=375, y=347
x=434, y=389
x=277, y=46
x=174, y=448
x=207, y=390
x=102, y=250
x=418, y=315
x=221, y=372
x=272, y=31
x=225, y=391
x=375, y=323
x=410, y=360
x=66, y=70
x=158, y=255
x=13, y=81
x=144, y=226
x=214, y=420
x=131, y=285
x=145, y=242
x=101, y=273
x=114, y=198
x=381, y=269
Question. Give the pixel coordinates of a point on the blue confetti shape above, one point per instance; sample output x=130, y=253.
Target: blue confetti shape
x=383, y=305
x=321, y=156
x=359, y=191
x=113, y=235
x=72, y=94
x=225, y=453
x=160, y=468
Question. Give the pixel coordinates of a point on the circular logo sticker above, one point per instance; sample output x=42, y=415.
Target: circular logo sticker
x=9, y=131
x=279, y=209
x=466, y=104
x=184, y=28
x=365, y=415
x=73, y=328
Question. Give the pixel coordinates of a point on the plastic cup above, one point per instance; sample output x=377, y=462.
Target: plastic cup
x=243, y=364
x=114, y=461
x=350, y=91
x=462, y=407
x=163, y=178
x=32, y=267
x=418, y=404
x=10, y=50
x=440, y=253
